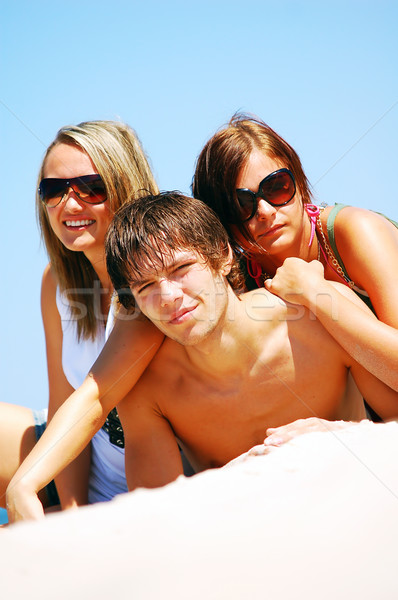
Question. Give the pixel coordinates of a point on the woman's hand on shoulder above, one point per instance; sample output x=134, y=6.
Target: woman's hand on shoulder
x=297, y=281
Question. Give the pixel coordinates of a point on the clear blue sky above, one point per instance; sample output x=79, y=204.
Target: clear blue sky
x=323, y=74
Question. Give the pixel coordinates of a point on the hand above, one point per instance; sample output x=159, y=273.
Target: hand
x=296, y=280
x=280, y=435
x=258, y=450
x=22, y=504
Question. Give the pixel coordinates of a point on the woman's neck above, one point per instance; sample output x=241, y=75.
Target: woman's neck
x=98, y=262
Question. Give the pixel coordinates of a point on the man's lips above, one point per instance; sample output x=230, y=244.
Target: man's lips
x=182, y=315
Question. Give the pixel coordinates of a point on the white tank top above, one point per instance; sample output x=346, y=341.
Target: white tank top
x=107, y=474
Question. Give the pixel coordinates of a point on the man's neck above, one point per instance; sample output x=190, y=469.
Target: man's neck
x=228, y=349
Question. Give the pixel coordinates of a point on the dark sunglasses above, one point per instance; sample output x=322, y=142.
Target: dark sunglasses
x=89, y=188
x=278, y=188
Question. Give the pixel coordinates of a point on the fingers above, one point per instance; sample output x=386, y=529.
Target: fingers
x=259, y=450
x=280, y=435
x=276, y=436
x=268, y=283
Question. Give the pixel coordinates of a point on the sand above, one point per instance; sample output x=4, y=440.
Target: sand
x=314, y=519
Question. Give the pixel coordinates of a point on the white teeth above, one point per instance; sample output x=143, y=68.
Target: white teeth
x=79, y=223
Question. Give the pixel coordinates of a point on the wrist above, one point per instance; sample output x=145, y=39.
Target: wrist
x=20, y=486
x=320, y=296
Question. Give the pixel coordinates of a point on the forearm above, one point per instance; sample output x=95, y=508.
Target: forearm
x=70, y=430
x=71, y=482
x=371, y=343
x=152, y=455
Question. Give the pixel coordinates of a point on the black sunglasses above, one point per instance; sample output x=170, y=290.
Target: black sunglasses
x=89, y=188
x=278, y=188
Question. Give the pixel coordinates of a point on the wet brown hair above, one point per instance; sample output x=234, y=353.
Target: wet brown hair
x=143, y=231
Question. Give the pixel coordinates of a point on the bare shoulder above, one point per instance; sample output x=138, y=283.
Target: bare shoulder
x=353, y=220
x=169, y=359
x=162, y=378
x=279, y=328
x=48, y=282
x=261, y=299
x=49, y=285
x=353, y=224
x=368, y=245
x=263, y=305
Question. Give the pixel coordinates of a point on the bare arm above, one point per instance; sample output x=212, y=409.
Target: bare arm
x=72, y=483
x=368, y=245
x=152, y=456
x=128, y=351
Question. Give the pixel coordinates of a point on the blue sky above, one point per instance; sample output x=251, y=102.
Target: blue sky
x=323, y=74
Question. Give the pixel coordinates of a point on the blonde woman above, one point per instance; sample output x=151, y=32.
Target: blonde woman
x=87, y=173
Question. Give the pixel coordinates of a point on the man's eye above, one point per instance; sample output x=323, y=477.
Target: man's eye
x=183, y=266
x=143, y=288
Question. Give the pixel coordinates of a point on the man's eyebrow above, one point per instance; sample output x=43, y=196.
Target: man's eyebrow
x=138, y=281
x=134, y=283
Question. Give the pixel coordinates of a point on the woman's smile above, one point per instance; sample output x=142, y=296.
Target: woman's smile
x=78, y=225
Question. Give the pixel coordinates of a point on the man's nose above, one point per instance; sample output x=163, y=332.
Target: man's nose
x=169, y=291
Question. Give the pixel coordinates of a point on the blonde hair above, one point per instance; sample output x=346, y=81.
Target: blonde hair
x=117, y=155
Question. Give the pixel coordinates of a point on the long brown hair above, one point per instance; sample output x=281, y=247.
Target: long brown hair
x=118, y=157
x=225, y=155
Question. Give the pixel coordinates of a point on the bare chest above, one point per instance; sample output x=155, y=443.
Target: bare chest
x=218, y=418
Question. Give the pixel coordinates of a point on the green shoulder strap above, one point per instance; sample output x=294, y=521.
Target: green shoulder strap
x=330, y=229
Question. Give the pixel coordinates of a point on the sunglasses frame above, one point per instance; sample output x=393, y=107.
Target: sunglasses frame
x=71, y=183
x=256, y=195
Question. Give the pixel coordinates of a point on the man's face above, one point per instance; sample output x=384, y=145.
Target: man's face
x=184, y=297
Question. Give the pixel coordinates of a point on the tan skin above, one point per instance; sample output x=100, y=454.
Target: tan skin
x=68, y=161
x=298, y=247
x=112, y=376
x=368, y=246
x=216, y=368
x=280, y=435
x=17, y=438
x=262, y=364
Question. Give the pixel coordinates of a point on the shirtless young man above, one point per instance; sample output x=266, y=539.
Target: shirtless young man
x=231, y=366
x=236, y=366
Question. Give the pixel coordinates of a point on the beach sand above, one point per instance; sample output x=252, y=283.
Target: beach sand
x=314, y=519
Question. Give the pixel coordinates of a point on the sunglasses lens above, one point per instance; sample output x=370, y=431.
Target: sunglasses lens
x=278, y=189
x=89, y=188
x=247, y=203
x=51, y=191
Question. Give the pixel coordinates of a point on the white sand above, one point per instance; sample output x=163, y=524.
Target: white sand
x=315, y=519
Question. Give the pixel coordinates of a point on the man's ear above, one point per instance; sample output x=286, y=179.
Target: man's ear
x=226, y=269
